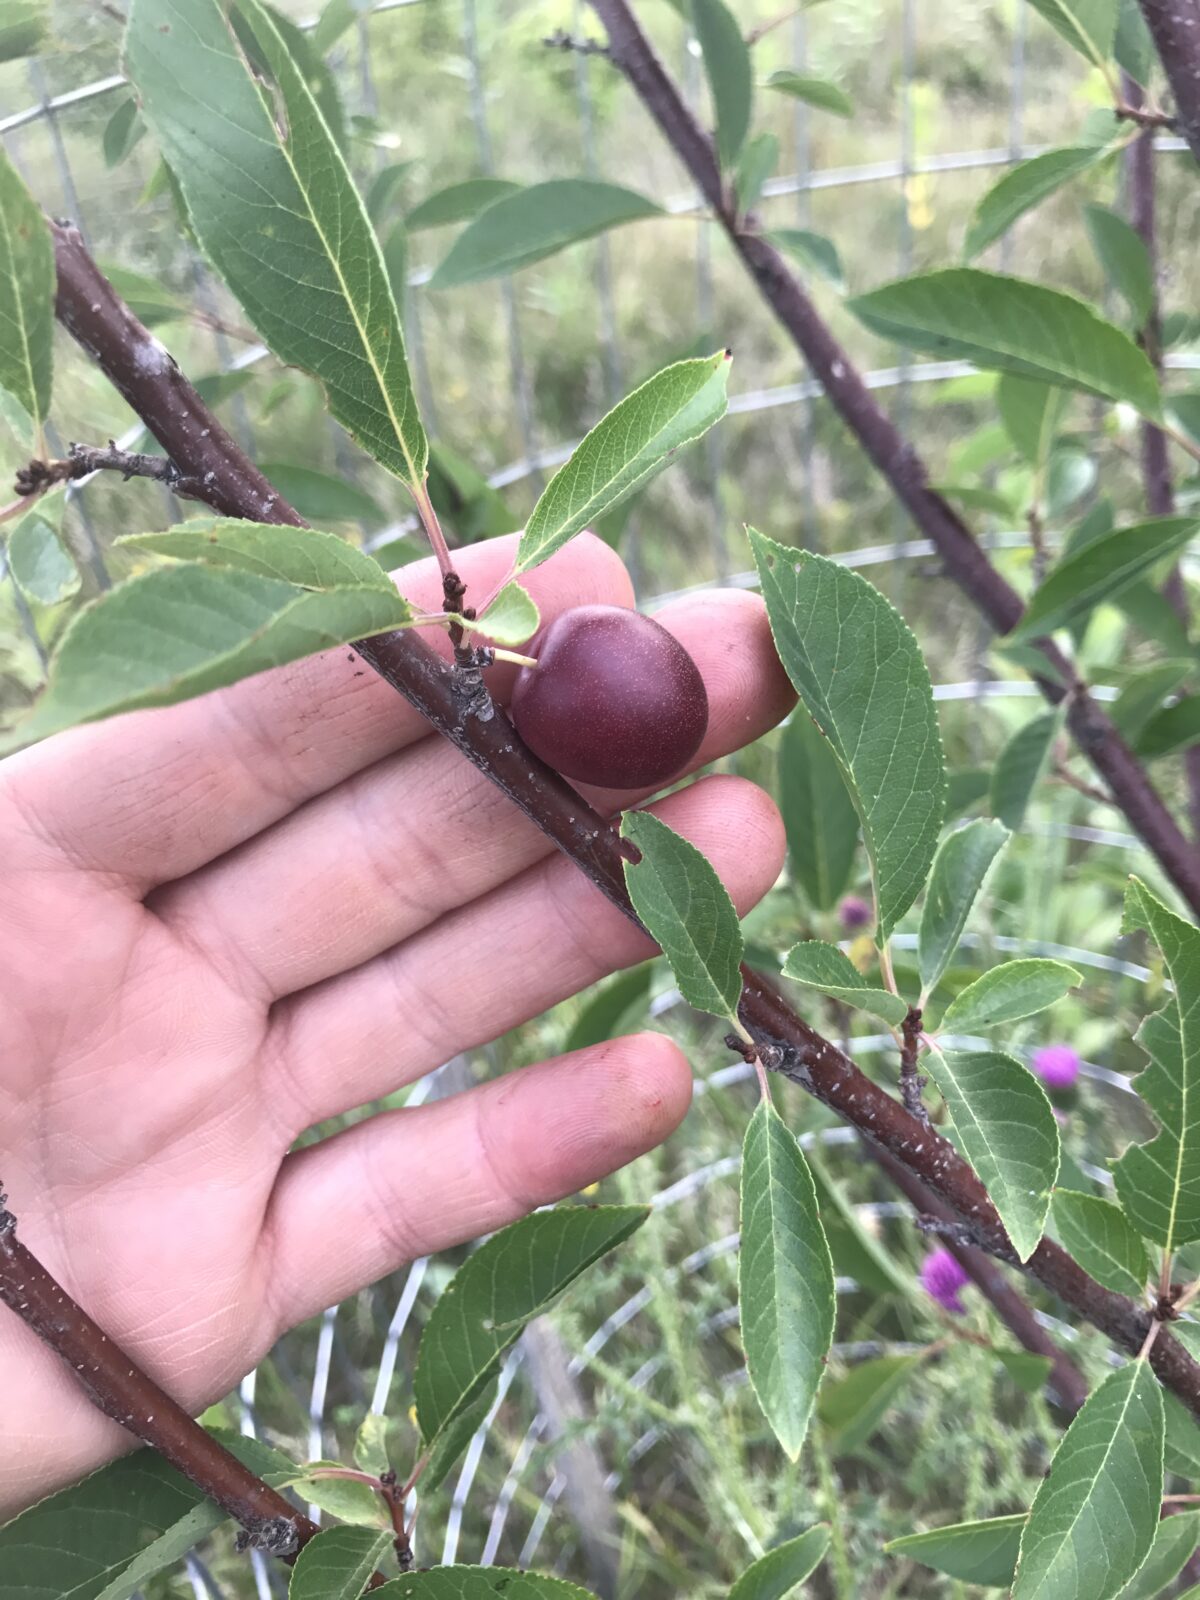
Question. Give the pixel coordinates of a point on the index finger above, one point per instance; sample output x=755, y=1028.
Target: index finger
x=153, y=795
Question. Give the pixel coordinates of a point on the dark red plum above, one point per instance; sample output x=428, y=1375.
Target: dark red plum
x=615, y=700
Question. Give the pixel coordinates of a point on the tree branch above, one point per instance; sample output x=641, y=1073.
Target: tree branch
x=1175, y=28
x=194, y=438
x=897, y=461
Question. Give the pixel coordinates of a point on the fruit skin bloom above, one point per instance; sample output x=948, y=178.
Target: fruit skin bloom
x=1057, y=1065
x=854, y=913
x=942, y=1278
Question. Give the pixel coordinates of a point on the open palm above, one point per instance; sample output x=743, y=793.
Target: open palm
x=223, y=922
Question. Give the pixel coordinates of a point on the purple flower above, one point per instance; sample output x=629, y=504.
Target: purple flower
x=942, y=1278
x=855, y=913
x=1057, y=1065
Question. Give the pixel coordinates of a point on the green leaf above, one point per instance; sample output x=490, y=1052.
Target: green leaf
x=637, y=438
x=1088, y=26
x=853, y=1408
x=23, y=27
x=602, y=1014
x=337, y=1563
x=531, y=224
x=176, y=632
x=813, y=250
x=506, y=1282
x=121, y=132
x=464, y=498
x=1006, y=324
x=272, y=202
x=818, y=92
x=1158, y=1183
x=27, y=281
x=959, y=869
x=386, y=189
x=1134, y=48
x=730, y=76
x=347, y=1499
x=861, y=675
x=1007, y=1131
x=14, y=415
x=303, y=556
x=102, y=1539
x=1144, y=693
x=1153, y=615
x=1097, y=1234
x=41, y=565
x=1101, y=570
x=775, y=1575
x=1023, y=187
x=975, y=497
x=1096, y=1513
x=479, y=1583
x=757, y=162
x=965, y=788
x=371, y=1444
x=1126, y=262
x=318, y=78
x=974, y=1552
x=456, y=1436
x=823, y=966
x=855, y=1250
x=1175, y=1541
x=1020, y=766
x=687, y=912
x=149, y=300
x=459, y=202
x=395, y=263
x=1027, y=1371
x=1006, y=993
x=1175, y=727
x=319, y=497
x=511, y=618
x=1031, y=412
x=785, y=1278
x=818, y=813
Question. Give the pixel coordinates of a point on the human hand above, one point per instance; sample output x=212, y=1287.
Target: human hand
x=225, y=921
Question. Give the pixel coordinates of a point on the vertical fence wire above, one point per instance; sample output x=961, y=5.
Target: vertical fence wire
x=810, y=528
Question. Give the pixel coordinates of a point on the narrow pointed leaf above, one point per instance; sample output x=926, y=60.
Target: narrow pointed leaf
x=176, y=632
x=959, y=869
x=1088, y=26
x=530, y=224
x=1122, y=253
x=26, y=295
x=855, y=1249
x=1095, y=1515
x=1007, y=1131
x=1133, y=47
x=1158, y=1183
x=1099, y=1236
x=1175, y=1542
x=105, y=1537
x=818, y=92
x=785, y=1278
x=320, y=497
x=730, y=76
x=337, y=1563
x=121, y=132
x=687, y=911
x=497, y=1290
x=818, y=813
x=1006, y=993
x=41, y=565
x=1101, y=571
x=23, y=26
x=456, y=1436
x=1020, y=767
x=1008, y=324
x=823, y=966
x=511, y=618
x=637, y=438
x=776, y=1575
x=479, y=1583
x=1031, y=412
x=1023, y=187
x=1174, y=728
x=861, y=676
x=347, y=1499
x=758, y=160
x=1144, y=693
x=602, y=1014
x=272, y=202
x=974, y=1552
x=458, y=203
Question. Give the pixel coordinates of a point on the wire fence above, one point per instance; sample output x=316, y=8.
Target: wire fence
x=531, y=1488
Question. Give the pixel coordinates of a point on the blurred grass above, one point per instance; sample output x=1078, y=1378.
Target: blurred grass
x=710, y=1491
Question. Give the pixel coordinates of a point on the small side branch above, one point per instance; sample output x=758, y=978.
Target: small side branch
x=911, y=1082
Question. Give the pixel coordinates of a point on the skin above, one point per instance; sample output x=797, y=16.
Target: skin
x=227, y=920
